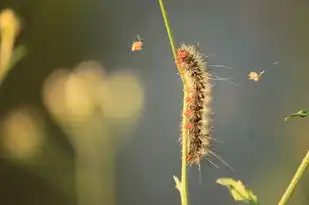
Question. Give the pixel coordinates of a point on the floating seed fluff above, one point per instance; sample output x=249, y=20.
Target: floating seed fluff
x=196, y=119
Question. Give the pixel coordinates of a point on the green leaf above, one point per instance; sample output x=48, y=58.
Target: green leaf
x=239, y=191
x=301, y=113
x=18, y=54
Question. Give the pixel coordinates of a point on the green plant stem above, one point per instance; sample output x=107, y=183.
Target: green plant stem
x=184, y=185
x=169, y=33
x=289, y=191
x=168, y=28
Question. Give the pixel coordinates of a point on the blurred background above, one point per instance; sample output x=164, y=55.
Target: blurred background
x=86, y=121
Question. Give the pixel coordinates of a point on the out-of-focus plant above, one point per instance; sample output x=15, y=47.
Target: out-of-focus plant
x=10, y=27
x=22, y=135
x=91, y=108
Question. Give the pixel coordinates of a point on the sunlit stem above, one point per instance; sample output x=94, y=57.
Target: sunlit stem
x=300, y=171
x=184, y=185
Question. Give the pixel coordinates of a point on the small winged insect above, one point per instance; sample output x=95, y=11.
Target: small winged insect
x=137, y=45
x=255, y=76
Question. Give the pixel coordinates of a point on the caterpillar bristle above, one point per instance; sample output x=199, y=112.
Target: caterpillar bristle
x=197, y=99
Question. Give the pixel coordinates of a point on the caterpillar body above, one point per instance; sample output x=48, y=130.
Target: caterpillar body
x=196, y=119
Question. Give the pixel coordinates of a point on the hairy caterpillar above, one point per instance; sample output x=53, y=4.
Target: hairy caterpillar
x=196, y=119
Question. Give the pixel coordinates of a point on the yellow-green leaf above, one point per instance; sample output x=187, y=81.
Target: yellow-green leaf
x=238, y=191
x=18, y=54
x=177, y=182
x=300, y=113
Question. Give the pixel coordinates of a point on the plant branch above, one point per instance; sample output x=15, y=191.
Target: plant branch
x=300, y=171
x=170, y=35
x=183, y=189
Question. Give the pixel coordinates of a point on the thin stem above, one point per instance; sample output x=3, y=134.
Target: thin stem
x=300, y=171
x=184, y=180
x=170, y=35
x=184, y=185
x=168, y=28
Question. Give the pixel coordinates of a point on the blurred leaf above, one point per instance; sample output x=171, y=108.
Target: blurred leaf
x=301, y=113
x=18, y=54
x=239, y=191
